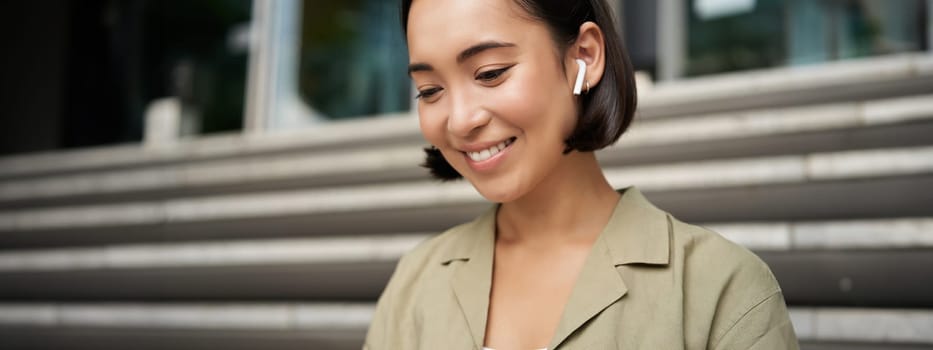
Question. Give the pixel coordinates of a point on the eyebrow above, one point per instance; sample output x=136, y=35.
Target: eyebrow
x=463, y=56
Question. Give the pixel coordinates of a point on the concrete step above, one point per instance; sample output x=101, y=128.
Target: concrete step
x=893, y=75
x=79, y=338
x=342, y=326
x=344, y=135
x=33, y=338
x=131, y=186
x=860, y=263
x=900, y=122
x=783, y=120
x=849, y=184
x=435, y=207
x=872, y=234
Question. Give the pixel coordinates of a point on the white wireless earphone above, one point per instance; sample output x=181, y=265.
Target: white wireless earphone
x=578, y=85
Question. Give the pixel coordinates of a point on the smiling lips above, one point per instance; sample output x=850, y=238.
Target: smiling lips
x=485, y=154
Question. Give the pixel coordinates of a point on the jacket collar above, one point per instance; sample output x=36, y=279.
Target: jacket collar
x=636, y=233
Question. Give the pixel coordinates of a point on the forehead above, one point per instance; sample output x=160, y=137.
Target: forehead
x=440, y=28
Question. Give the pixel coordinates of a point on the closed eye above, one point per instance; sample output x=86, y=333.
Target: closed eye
x=493, y=74
x=427, y=93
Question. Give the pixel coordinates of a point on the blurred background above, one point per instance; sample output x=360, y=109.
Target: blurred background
x=205, y=174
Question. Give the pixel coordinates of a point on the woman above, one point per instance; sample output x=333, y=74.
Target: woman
x=514, y=96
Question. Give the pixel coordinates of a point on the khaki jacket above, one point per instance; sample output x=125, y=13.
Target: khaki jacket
x=649, y=282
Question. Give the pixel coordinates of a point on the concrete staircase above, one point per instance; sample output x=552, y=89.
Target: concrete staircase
x=284, y=241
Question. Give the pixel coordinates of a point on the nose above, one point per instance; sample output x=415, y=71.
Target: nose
x=466, y=116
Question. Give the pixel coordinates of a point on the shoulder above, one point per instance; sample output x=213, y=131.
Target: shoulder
x=712, y=256
x=434, y=252
x=414, y=274
x=451, y=243
x=737, y=290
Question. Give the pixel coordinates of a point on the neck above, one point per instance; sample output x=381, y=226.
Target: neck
x=573, y=203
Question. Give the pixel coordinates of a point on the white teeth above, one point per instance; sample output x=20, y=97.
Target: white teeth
x=488, y=153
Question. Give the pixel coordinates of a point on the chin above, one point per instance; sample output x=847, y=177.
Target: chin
x=500, y=192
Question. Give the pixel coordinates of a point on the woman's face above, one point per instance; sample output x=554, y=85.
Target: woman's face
x=495, y=97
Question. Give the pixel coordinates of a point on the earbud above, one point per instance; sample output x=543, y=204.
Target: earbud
x=578, y=85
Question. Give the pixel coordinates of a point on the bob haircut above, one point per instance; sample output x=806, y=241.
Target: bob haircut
x=607, y=109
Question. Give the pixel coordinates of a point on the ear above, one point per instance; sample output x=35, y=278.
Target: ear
x=590, y=47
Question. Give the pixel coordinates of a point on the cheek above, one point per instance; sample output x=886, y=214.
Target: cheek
x=535, y=103
x=432, y=125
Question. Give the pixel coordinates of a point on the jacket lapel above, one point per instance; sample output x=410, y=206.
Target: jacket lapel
x=598, y=286
x=472, y=279
x=637, y=233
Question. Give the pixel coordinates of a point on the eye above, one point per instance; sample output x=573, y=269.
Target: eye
x=427, y=93
x=493, y=74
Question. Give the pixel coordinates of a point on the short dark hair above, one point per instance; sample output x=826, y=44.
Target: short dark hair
x=608, y=108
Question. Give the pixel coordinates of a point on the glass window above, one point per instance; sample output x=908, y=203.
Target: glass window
x=829, y=30
x=729, y=38
x=197, y=51
x=84, y=74
x=731, y=35
x=353, y=58
x=328, y=60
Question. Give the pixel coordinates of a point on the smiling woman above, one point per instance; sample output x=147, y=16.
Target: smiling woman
x=514, y=96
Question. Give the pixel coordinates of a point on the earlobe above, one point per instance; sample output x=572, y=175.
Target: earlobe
x=581, y=73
